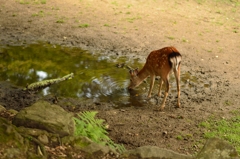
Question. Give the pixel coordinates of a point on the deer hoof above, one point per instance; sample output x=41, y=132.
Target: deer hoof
x=178, y=105
x=162, y=108
x=158, y=109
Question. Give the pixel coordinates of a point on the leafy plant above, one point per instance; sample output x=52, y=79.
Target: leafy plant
x=88, y=126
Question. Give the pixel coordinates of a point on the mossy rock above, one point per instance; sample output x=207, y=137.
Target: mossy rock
x=12, y=144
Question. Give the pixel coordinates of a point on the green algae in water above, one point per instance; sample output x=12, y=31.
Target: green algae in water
x=95, y=76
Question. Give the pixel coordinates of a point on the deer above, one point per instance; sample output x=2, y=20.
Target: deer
x=159, y=63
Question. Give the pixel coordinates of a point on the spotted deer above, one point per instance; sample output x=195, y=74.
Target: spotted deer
x=159, y=63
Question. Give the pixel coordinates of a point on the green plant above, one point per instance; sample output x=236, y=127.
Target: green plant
x=115, y=3
x=23, y=2
x=84, y=25
x=184, y=40
x=225, y=129
x=60, y=21
x=43, y=1
x=88, y=126
x=179, y=137
x=106, y=25
x=32, y=2
x=129, y=6
x=132, y=19
x=205, y=124
x=227, y=103
x=40, y=13
x=170, y=37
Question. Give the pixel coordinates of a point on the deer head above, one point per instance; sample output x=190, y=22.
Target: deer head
x=134, y=79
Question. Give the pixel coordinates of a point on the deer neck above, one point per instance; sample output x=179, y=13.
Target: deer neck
x=143, y=74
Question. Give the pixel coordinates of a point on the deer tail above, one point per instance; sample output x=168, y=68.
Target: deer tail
x=175, y=60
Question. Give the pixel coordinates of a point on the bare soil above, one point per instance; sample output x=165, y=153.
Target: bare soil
x=207, y=34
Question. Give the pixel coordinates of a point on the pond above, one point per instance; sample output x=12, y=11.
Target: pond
x=96, y=76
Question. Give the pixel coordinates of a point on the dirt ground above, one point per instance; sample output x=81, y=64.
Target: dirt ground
x=207, y=34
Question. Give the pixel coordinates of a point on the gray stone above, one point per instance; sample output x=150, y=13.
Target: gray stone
x=86, y=145
x=217, y=149
x=45, y=116
x=43, y=139
x=153, y=152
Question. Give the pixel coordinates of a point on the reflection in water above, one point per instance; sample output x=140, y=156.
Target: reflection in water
x=95, y=77
x=106, y=89
x=42, y=75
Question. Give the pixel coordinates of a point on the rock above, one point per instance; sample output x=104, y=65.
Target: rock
x=43, y=139
x=87, y=145
x=2, y=108
x=153, y=152
x=43, y=136
x=12, y=112
x=11, y=142
x=43, y=115
x=217, y=149
x=94, y=148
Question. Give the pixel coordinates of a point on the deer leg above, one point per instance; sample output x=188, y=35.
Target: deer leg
x=160, y=87
x=177, y=76
x=166, y=93
x=151, y=85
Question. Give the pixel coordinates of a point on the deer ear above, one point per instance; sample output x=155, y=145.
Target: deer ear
x=136, y=70
x=131, y=72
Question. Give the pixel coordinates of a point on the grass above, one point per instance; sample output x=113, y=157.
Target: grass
x=32, y=2
x=227, y=129
x=235, y=31
x=184, y=136
x=170, y=37
x=55, y=8
x=40, y=13
x=60, y=21
x=179, y=137
x=228, y=103
x=106, y=25
x=184, y=40
x=233, y=2
x=115, y=3
x=132, y=19
x=85, y=25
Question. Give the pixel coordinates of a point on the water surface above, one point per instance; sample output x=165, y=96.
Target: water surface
x=96, y=76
